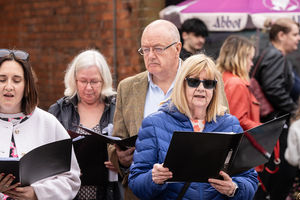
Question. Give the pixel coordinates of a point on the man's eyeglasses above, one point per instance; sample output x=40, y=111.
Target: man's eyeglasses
x=17, y=54
x=195, y=82
x=93, y=83
x=156, y=50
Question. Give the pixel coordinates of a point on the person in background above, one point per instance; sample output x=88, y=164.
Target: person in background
x=89, y=101
x=140, y=95
x=235, y=62
x=274, y=73
x=195, y=105
x=276, y=78
x=295, y=92
x=292, y=152
x=24, y=127
x=193, y=33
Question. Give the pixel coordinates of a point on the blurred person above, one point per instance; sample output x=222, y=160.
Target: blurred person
x=276, y=78
x=295, y=92
x=24, y=127
x=195, y=105
x=235, y=62
x=292, y=152
x=89, y=101
x=193, y=33
x=275, y=73
x=140, y=95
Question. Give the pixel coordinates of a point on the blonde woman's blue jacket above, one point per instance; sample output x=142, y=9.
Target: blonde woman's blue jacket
x=152, y=144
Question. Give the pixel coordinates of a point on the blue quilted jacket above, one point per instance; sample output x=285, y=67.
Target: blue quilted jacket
x=151, y=147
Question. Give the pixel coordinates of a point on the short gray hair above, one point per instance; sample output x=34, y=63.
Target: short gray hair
x=86, y=59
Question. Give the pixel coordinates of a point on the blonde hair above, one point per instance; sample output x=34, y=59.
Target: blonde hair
x=194, y=65
x=233, y=56
x=85, y=60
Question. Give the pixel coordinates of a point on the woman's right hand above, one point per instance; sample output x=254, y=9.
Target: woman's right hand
x=160, y=174
x=5, y=182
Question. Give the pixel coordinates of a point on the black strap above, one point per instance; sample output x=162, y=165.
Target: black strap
x=183, y=190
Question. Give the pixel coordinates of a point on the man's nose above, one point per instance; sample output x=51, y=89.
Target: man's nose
x=151, y=53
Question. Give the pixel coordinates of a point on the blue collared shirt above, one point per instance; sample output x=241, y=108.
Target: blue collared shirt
x=155, y=95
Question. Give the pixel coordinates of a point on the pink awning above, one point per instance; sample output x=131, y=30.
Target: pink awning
x=232, y=15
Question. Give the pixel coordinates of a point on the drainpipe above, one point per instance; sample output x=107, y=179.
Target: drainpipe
x=115, y=75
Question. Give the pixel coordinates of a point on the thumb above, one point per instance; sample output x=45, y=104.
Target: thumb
x=225, y=176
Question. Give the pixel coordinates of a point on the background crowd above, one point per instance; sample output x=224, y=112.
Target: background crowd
x=182, y=89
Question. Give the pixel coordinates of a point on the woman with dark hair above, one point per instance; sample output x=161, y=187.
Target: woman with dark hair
x=23, y=127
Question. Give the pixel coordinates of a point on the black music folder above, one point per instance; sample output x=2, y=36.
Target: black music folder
x=197, y=156
x=122, y=143
x=42, y=162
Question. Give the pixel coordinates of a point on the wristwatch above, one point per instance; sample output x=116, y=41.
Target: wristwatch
x=234, y=191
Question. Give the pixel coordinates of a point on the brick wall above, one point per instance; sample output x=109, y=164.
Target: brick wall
x=54, y=31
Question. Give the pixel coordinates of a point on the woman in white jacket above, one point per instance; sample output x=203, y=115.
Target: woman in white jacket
x=292, y=153
x=23, y=127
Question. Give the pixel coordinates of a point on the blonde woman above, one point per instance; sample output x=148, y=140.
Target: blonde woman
x=195, y=105
x=235, y=62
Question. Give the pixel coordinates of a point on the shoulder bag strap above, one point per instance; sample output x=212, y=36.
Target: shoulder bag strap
x=257, y=64
x=183, y=190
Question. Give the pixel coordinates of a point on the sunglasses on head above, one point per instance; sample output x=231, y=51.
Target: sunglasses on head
x=195, y=82
x=17, y=54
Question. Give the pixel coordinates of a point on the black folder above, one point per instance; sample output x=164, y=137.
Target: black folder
x=42, y=162
x=197, y=156
x=122, y=143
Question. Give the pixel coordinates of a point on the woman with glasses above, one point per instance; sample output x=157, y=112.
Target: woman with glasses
x=195, y=105
x=235, y=62
x=24, y=127
x=90, y=102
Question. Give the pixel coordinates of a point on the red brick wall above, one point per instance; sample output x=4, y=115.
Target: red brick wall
x=54, y=31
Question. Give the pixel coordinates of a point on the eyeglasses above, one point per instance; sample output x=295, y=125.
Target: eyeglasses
x=17, y=54
x=195, y=82
x=156, y=50
x=93, y=83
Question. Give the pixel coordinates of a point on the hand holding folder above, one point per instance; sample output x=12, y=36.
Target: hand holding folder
x=196, y=156
x=42, y=162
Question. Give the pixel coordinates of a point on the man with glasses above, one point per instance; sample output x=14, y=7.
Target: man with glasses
x=140, y=95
